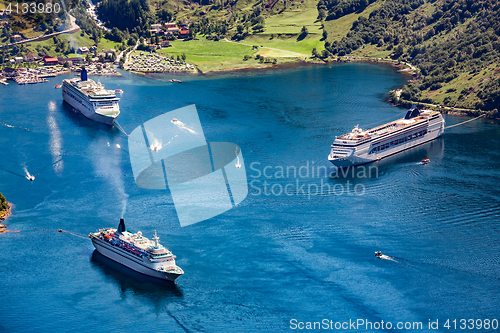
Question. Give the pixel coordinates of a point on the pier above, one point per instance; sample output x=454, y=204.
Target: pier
x=29, y=79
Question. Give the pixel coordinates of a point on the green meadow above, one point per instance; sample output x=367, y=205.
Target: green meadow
x=213, y=56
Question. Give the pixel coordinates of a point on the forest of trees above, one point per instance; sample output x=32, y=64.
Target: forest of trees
x=333, y=9
x=133, y=15
x=440, y=52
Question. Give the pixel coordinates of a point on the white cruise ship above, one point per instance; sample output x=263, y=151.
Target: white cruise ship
x=91, y=99
x=365, y=146
x=136, y=252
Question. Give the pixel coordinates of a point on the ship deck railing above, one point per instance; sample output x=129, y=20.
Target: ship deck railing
x=378, y=130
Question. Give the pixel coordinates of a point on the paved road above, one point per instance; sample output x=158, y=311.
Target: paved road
x=72, y=29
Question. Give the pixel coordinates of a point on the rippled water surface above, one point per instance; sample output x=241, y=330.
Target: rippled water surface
x=276, y=257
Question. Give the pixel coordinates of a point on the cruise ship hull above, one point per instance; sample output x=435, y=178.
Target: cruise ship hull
x=352, y=161
x=365, y=153
x=89, y=113
x=128, y=260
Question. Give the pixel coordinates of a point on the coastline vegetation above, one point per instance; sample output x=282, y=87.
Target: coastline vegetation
x=4, y=208
x=4, y=213
x=4, y=205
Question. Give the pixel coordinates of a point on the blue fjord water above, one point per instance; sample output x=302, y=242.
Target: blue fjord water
x=304, y=255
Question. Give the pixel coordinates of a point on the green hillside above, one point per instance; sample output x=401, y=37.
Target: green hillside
x=453, y=43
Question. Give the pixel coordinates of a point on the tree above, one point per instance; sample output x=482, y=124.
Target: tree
x=315, y=53
x=183, y=56
x=321, y=14
x=303, y=33
x=325, y=34
x=3, y=202
x=399, y=50
x=66, y=64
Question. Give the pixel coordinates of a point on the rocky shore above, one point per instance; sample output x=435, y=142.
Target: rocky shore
x=3, y=217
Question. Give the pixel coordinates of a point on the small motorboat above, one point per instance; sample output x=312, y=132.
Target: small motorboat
x=119, y=91
x=378, y=254
x=174, y=80
x=57, y=86
x=426, y=161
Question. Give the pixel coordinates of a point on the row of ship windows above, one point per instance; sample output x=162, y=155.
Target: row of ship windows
x=76, y=98
x=398, y=141
x=87, y=100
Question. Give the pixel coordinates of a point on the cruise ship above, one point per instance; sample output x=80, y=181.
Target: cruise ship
x=136, y=252
x=91, y=99
x=365, y=146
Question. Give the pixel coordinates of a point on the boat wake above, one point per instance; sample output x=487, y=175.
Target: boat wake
x=379, y=255
x=28, y=175
x=182, y=126
x=17, y=127
x=385, y=257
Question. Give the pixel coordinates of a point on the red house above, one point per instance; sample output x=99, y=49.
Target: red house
x=50, y=61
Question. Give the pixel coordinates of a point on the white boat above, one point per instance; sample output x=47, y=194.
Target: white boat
x=91, y=99
x=136, y=252
x=365, y=146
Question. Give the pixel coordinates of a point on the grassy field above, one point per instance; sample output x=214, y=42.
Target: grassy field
x=282, y=30
x=372, y=51
x=292, y=21
x=212, y=56
x=290, y=44
x=74, y=39
x=340, y=27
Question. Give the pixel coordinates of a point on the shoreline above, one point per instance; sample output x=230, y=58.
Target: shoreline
x=6, y=214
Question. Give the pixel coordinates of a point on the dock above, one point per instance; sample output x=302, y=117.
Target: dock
x=29, y=79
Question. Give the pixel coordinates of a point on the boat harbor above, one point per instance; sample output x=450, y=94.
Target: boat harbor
x=29, y=79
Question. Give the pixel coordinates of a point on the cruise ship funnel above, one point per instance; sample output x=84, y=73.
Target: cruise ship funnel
x=83, y=74
x=121, y=226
